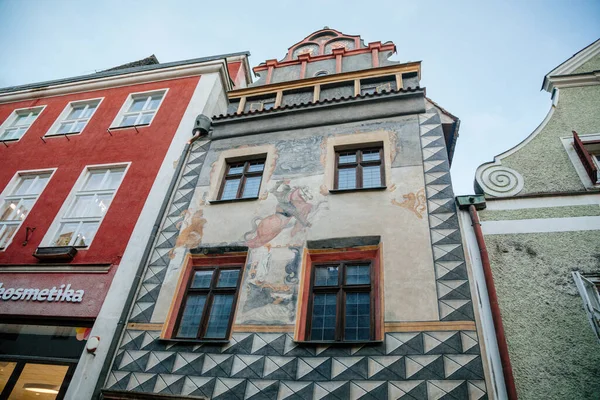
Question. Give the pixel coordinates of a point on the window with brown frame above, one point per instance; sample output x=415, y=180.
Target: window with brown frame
x=209, y=303
x=242, y=179
x=341, y=302
x=359, y=168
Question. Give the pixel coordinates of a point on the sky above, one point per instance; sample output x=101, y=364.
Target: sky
x=483, y=61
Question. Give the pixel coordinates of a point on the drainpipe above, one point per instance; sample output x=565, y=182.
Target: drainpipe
x=472, y=204
x=201, y=128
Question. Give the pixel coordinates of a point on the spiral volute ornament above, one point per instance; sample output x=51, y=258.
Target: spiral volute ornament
x=500, y=181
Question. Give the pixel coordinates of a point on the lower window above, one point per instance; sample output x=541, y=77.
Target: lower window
x=341, y=302
x=209, y=303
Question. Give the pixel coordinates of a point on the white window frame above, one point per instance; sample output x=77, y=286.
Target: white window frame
x=53, y=131
x=7, y=195
x=61, y=217
x=591, y=300
x=116, y=124
x=567, y=142
x=7, y=124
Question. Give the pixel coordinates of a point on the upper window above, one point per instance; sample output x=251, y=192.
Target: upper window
x=209, y=303
x=341, y=302
x=75, y=117
x=140, y=109
x=589, y=289
x=18, y=202
x=91, y=202
x=242, y=179
x=18, y=123
x=588, y=152
x=359, y=169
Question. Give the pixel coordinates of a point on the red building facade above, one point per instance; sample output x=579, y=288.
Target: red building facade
x=85, y=163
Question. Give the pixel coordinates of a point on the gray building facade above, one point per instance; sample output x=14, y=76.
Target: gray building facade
x=311, y=248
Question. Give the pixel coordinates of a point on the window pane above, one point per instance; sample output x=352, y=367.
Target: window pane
x=252, y=186
x=347, y=178
x=82, y=207
x=230, y=189
x=6, y=233
x=235, y=169
x=5, y=372
x=347, y=157
x=323, y=318
x=24, y=184
x=78, y=126
x=95, y=178
x=23, y=209
x=326, y=276
x=372, y=176
x=66, y=127
x=192, y=314
x=38, y=186
x=114, y=178
x=154, y=102
x=8, y=210
x=146, y=118
x=256, y=166
x=76, y=112
x=202, y=279
x=219, y=316
x=24, y=119
x=89, y=111
x=370, y=90
x=228, y=278
x=66, y=232
x=101, y=204
x=138, y=104
x=86, y=234
x=39, y=381
x=129, y=120
x=358, y=316
x=268, y=105
x=358, y=275
x=370, y=155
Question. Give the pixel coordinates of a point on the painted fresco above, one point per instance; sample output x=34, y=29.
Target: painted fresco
x=295, y=207
x=270, y=287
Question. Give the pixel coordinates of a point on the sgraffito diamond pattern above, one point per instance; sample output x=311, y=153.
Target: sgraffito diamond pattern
x=454, y=295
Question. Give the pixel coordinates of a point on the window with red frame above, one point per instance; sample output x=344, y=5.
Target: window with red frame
x=341, y=302
x=209, y=303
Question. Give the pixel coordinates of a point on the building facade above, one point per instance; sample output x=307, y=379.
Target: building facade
x=84, y=163
x=541, y=225
x=311, y=248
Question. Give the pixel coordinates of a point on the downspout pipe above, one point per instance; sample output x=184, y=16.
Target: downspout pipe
x=142, y=265
x=472, y=204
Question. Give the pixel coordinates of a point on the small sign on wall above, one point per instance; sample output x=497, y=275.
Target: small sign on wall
x=62, y=293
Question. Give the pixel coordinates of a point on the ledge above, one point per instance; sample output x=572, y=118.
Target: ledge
x=338, y=343
x=118, y=128
x=56, y=268
x=196, y=341
x=232, y=200
x=340, y=191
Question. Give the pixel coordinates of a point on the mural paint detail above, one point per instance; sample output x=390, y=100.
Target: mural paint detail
x=415, y=202
x=270, y=287
x=299, y=157
x=293, y=209
x=190, y=236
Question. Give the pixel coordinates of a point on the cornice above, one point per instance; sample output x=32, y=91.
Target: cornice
x=571, y=64
x=344, y=76
x=565, y=81
x=182, y=71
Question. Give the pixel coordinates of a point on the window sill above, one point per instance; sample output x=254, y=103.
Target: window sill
x=339, y=343
x=61, y=134
x=233, y=200
x=115, y=128
x=340, y=191
x=196, y=341
x=9, y=140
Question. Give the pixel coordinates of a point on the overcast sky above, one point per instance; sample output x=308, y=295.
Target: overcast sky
x=483, y=62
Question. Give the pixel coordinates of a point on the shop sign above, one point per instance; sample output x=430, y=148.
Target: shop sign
x=62, y=293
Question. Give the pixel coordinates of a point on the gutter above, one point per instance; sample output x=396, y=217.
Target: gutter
x=140, y=270
x=472, y=204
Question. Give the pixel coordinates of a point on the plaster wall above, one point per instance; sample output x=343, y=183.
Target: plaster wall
x=207, y=96
x=543, y=162
x=592, y=65
x=553, y=350
x=304, y=160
